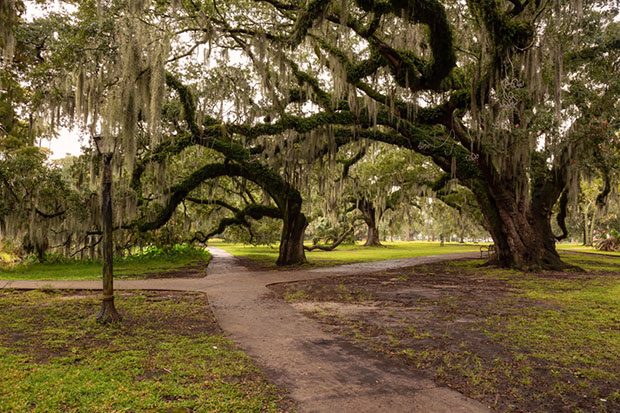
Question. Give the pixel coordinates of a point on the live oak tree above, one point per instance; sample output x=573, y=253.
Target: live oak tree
x=34, y=196
x=385, y=178
x=120, y=90
x=476, y=86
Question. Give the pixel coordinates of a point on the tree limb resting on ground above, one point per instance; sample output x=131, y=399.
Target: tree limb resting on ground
x=335, y=244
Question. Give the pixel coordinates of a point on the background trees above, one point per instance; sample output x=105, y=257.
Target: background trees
x=508, y=98
x=489, y=112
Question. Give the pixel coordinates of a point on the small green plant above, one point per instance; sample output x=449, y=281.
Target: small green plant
x=417, y=335
x=299, y=295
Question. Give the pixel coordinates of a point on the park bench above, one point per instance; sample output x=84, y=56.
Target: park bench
x=486, y=250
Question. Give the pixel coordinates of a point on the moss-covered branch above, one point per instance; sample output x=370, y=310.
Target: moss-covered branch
x=271, y=182
x=426, y=74
x=212, y=202
x=356, y=73
x=255, y=211
x=334, y=244
x=296, y=123
x=506, y=32
x=306, y=18
x=348, y=163
x=187, y=100
x=322, y=97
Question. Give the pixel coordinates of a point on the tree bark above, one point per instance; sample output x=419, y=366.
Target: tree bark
x=108, y=312
x=91, y=247
x=68, y=247
x=592, y=226
x=292, y=238
x=369, y=213
x=521, y=229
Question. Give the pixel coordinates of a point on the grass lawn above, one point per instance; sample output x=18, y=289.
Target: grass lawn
x=536, y=342
x=345, y=254
x=168, y=354
x=148, y=265
x=583, y=248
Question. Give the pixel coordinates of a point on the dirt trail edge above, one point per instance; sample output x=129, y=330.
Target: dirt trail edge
x=321, y=371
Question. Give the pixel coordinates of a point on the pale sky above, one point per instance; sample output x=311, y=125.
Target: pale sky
x=68, y=142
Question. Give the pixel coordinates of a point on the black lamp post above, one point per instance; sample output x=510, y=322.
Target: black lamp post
x=108, y=312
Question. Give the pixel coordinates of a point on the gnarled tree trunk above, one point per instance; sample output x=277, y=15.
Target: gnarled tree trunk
x=521, y=227
x=292, y=238
x=370, y=218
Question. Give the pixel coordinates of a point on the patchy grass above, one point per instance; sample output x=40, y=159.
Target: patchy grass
x=544, y=342
x=153, y=264
x=266, y=255
x=168, y=354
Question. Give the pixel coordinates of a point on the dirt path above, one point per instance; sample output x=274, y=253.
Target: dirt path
x=321, y=371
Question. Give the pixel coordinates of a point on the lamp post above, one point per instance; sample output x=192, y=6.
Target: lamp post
x=108, y=312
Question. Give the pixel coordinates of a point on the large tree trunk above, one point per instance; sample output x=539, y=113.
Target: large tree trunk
x=372, y=240
x=524, y=240
x=292, y=239
x=521, y=228
x=370, y=218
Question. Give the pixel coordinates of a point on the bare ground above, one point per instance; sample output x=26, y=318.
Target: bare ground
x=436, y=320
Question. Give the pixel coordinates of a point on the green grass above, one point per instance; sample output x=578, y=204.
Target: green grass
x=125, y=268
x=583, y=248
x=168, y=353
x=345, y=254
x=570, y=330
x=579, y=324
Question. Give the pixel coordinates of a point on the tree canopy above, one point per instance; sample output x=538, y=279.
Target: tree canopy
x=512, y=100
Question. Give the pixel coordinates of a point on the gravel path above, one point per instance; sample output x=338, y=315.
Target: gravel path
x=322, y=372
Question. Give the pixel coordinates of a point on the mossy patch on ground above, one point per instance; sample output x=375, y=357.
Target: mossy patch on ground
x=544, y=342
x=168, y=353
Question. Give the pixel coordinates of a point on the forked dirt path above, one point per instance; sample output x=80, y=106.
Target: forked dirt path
x=322, y=372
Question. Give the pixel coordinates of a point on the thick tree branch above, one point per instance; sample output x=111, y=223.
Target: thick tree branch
x=212, y=202
x=254, y=211
x=334, y=244
x=561, y=218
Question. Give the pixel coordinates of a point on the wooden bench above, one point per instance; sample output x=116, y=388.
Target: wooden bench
x=486, y=249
